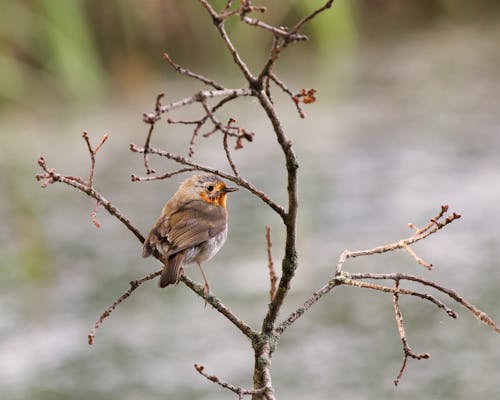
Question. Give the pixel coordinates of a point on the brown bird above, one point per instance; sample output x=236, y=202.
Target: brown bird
x=192, y=226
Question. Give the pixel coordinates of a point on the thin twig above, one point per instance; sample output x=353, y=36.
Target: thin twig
x=416, y=257
x=433, y=227
x=228, y=155
x=274, y=30
x=219, y=24
x=309, y=17
x=221, y=308
x=92, y=153
x=402, y=334
x=93, y=215
x=51, y=176
x=226, y=385
x=283, y=87
x=238, y=180
x=387, y=289
x=184, y=71
x=151, y=123
x=270, y=264
x=167, y=175
x=133, y=285
x=480, y=315
x=197, y=97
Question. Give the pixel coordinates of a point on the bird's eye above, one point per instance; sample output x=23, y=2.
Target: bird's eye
x=210, y=188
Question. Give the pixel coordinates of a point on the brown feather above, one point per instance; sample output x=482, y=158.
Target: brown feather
x=172, y=271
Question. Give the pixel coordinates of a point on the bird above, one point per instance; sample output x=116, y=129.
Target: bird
x=192, y=227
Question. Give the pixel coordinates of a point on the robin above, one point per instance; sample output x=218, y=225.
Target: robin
x=192, y=227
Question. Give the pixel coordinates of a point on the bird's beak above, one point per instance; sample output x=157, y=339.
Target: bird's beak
x=230, y=189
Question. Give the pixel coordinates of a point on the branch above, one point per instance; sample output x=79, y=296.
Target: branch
x=408, y=352
x=238, y=180
x=352, y=279
x=133, y=285
x=221, y=308
x=226, y=385
x=197, y=97
x=135, y=178
x=298, y=26
x=151, y=123
x=218, y=21
x=272, y=272
x=420, y=234
x=281, y=32
x=92, y=153
x=480, y=315
x=184, y=71
x=51, y=176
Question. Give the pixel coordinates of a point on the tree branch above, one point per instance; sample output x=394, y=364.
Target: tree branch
x=238, y=180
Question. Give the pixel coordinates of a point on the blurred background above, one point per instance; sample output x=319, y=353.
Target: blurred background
x=407, y=119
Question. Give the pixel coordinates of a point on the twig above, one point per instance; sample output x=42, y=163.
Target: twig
x=167, y=175
x=197, y=97
x=309, y=17
x=480, y=315
x=228, y=155
x=270, y=264
x=92, y=153
x=387, y=289
x=133, y=285
x=221, y=308
x=219, y=24
x=433, y=227
x=51, y=176
x=184, y=71
x=402, y=334
x=238, y=180
x=285, y=88
x=151, y=123
x=93, y=215
x=291, y=36
x=226, y=385
x=417, y=258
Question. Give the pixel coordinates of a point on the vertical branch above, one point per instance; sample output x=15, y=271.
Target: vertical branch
x=272, y=272
x=402, y=334
x=289, y=263
x=228, y=154
x=152, y=122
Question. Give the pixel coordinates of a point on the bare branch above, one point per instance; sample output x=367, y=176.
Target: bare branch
x=387, y=289
x=285, y=88
x=274, y=30
x=238, y=180
x=298, y=26
x=480, y=315
x=433, y=227
x=221, y=308
x=184, y=71
x=402, y=334
x=272, y=272
x=167, y=175
x=133, y=285
x=228, y=155
x=92, y=153
x=151, y=123
x=226, y=385
x=51, y=176
x=219, y=24
x=198, y=97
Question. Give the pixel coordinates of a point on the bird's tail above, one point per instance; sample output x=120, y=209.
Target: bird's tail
x=172, y=270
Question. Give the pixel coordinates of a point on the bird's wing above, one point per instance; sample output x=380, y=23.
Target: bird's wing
x=190, y=225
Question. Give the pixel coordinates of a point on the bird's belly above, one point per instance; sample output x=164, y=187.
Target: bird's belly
x=206, y=250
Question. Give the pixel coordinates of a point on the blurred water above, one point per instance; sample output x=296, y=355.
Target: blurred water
x=399, y=129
